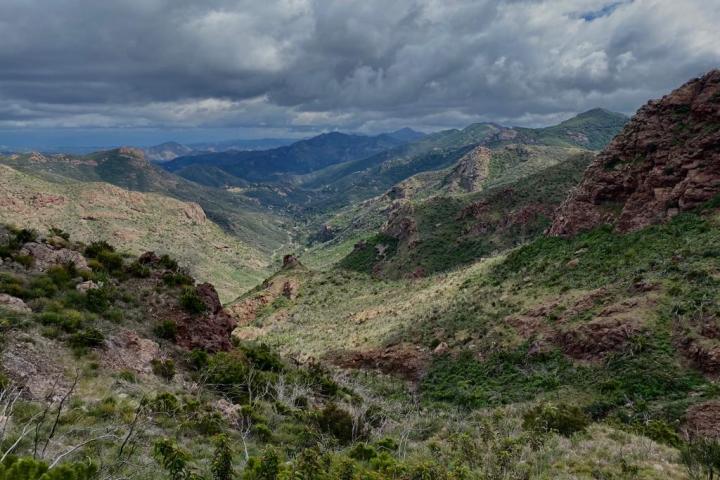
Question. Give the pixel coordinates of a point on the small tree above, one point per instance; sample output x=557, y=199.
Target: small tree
x=221, y=467
x=173, y=459
x=702, y=458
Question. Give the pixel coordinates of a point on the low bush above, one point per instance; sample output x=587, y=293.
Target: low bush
x=87, y=338
x=163, y=368
x=338, y=423
x=561, y=418
x=190, y=300
x=167, y=330
x=262, y=356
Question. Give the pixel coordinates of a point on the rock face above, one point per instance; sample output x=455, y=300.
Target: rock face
x=128, y=351
x=211, y=330
x=665, y=161
x=470, y=172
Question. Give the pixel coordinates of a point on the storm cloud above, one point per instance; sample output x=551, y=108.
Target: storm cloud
x=294, y=65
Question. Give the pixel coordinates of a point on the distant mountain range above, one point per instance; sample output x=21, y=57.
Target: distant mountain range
x=167, y=151
x=302, y=157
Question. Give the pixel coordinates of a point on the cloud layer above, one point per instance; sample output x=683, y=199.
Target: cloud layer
x=362, y=65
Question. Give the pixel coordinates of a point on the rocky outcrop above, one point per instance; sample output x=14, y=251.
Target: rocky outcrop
x=210, y=330
x=290, y=261
x=245, y=311
x=128, y=351
x=401, y=224
x=470, y=171
x=14, y=304
x=665, y=161
x=46, y=256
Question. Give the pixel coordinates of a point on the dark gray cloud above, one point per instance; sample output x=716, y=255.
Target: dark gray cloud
x=361, y=65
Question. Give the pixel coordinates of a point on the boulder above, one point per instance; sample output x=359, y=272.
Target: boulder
x=46, y=256
x=13, y=304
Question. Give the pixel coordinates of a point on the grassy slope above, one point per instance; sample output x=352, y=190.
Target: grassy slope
x=238, y=215
x=318, y=425
x=661, y=283
x=532, y=178
x=137, y=222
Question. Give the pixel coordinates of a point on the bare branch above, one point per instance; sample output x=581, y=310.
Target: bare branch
x=78, y=447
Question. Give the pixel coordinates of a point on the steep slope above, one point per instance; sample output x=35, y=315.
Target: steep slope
x=127, y=168
x=666, y=161
x=299, y=158
x=607, y=328
x=135, y=222
x=432, y=232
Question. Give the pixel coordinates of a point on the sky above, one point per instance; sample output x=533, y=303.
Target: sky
x=89, y=72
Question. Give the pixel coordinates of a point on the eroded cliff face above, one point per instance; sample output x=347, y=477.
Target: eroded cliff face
x=665, y=161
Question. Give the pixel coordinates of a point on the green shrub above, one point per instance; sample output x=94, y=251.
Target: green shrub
x=504, y=377
x=174, y=460
x=267, y=467
x=165, y=403
x=97, y=300
x=176, y=279
x=25, y=468
x=26, y=261
x=69, y=320
x=198, y=359
x=167, y=262
x=702, y=458
x=87, y=338
x=210, y=423
x=95, y=248
x=562, y=419
x=262, y=432
x=338, y=423
x=362, y=451
x=262, y=356
x=61, y=275
x=43, y=286
x=138, y=270
x=190, y=300
x=221, y=466
x=167, y=330
x=111, y=261
x=26, y=235
x=163, y=368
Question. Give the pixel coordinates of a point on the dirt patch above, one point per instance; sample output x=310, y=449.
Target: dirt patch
x=405, y=360
x=703, y=420
x=595, y=339
x=704, y=353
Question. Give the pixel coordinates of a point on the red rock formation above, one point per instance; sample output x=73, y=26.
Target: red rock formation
x=210, y=330
x=666, y=160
